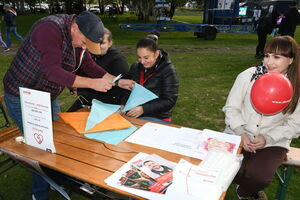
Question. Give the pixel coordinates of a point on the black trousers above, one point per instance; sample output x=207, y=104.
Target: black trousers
x=262, y=39
x=258, y=169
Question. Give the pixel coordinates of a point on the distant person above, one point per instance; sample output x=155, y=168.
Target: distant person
x=266, y=138
x=155, y=71
x=265, y=26
x=11, y=25
x=6, y=49
x=290, y=21
x=114, y=63
x=157, y=168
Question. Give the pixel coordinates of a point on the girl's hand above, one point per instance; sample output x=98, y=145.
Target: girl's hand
x=258, y=142
x=126, y=84
x=135, y=112
x=247, y=144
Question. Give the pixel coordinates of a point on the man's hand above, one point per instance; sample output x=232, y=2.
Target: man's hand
x=135, y=112
x=101, y=85
x=98, y=84
x=126, y=84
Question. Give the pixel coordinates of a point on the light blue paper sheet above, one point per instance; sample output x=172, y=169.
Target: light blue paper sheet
x=113, y=136
x=139, y=95
x=99, y=112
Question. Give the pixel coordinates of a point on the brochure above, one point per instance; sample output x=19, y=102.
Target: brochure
x=156, y=167
x=135, y=178
x=132, y=179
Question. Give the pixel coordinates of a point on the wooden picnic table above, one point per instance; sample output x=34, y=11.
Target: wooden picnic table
x=88, y=160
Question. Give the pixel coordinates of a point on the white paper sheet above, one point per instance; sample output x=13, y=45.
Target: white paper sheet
x=185, y=141
x=190, y=182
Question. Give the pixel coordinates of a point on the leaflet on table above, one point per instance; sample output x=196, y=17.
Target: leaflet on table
x=208, y=180
x=190, y=182
x=185, y=141
x=135, y=178
x=132, y=179
x=156, y=167
x=225, y=164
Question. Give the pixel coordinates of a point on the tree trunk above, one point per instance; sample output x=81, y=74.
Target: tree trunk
x=172, y=10
x=68, y=4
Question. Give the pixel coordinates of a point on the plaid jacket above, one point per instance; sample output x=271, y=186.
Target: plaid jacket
x=26, y=71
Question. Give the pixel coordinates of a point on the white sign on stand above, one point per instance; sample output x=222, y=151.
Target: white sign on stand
x=37, y=119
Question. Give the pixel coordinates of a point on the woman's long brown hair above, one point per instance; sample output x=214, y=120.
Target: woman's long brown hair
x=288, y=47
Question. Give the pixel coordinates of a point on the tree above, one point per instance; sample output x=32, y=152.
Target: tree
x=144, y=9
x=174, y=5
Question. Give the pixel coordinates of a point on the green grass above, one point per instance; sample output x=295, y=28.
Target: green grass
x=206, y=70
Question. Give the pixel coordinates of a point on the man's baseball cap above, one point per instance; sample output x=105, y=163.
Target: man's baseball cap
x=92, y=28
x=6, y=6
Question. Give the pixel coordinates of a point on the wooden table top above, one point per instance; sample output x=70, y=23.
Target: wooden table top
x=88, y=160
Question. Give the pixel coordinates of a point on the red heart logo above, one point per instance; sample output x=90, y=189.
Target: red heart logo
x=39, y=138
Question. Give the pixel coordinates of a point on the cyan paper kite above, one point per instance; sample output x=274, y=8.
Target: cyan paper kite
x=99, y=112
x=138, y=96
x=113, y=136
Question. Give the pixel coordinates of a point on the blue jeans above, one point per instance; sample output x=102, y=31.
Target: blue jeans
x=153, y=119
x=12, y=29
x=40, y=187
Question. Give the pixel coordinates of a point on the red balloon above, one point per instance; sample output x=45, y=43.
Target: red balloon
x=271, y=93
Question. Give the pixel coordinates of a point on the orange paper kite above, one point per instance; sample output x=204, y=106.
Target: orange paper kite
x=78, y=121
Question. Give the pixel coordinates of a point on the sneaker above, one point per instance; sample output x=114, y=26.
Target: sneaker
x=33, y=197
x=238, y=196
x=6, y=50
x=261, y=195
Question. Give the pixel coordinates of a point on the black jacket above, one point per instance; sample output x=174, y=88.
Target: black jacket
x=163, y=83
x=267, y=23
x=114, y=63
x=289, y=23
x=10, y=19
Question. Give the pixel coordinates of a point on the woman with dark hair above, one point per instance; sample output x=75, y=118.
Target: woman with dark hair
x=266, y=138
x=154, y=71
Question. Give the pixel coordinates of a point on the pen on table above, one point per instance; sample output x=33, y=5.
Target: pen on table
x=117, y=78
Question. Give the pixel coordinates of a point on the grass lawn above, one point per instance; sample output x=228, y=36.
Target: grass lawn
x=206, y=70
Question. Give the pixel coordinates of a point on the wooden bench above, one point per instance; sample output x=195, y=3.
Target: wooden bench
x=285, y=172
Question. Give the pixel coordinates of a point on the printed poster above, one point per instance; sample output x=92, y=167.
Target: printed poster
x=37, y=119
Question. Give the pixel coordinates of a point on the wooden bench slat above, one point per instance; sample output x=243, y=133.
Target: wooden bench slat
x=84, y=156
x=9, y=132
x=293, y=157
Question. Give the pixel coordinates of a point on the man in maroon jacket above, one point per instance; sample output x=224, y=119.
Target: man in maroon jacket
x=55, y=47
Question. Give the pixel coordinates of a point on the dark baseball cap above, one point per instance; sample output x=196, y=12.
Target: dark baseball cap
x=92, y=28
x=6, y=6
